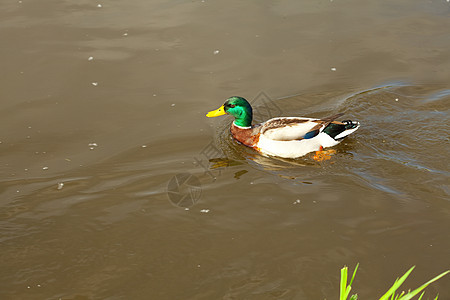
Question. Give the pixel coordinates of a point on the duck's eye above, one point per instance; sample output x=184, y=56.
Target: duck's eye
x=231, y=105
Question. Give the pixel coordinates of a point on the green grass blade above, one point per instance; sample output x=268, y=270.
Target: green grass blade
x=354, y=273
x=421, y=295
x=347, y=292
x=396, y=285
x=423, y=286
x=344, y=288
x=343, y=283
x=391, y=293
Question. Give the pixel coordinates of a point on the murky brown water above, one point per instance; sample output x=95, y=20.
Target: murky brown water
x=102, y=109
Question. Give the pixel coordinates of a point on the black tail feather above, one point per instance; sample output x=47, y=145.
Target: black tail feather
x=334, y=129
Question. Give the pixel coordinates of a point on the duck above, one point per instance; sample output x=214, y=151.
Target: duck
x=285, y=137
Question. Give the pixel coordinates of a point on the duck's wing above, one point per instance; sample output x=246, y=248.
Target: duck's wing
x=288, y=129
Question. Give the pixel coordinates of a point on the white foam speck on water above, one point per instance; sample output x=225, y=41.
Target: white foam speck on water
x=99, y=5
x=60, y=185
x=45, y=168
x=92, y=146
x=95, y=83
x=125, y=34
x=333, y=69
x=91, y=58
x=216, y=52
x=396, y=99
x=204, y=211
x=144, y=146
x=297, y=201
x=173, y=104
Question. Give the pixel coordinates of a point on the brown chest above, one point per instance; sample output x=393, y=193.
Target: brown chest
x=247, y=136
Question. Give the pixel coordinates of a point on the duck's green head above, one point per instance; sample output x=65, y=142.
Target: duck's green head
x=238, y=107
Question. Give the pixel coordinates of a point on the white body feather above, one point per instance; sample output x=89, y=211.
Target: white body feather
x=294, y=148
x=288, y=141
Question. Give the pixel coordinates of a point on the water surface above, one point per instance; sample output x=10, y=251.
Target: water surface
x=103, y=108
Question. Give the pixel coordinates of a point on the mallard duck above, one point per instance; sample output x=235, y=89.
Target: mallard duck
x=286, y=137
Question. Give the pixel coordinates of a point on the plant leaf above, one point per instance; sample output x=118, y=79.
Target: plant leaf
x=343, y=284
x=354, y=273
x=398, y=282
x=421, y=295
x=423, y=286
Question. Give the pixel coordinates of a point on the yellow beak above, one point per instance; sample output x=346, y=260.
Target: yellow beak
x=215, y=113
